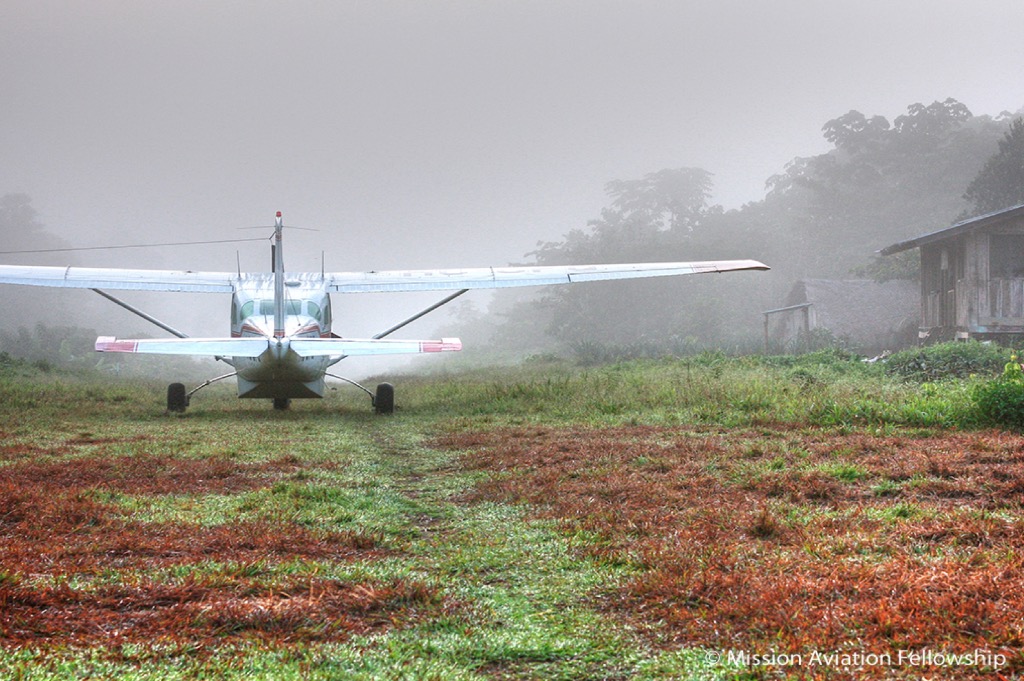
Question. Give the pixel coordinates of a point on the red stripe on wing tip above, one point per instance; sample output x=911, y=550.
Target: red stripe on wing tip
x=443, y=345
x=111, y=344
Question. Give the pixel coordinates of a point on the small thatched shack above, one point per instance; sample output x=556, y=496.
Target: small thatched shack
x=867, y=316
x=972, y=277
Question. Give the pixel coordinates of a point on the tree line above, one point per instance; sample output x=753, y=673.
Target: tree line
x=823, y=216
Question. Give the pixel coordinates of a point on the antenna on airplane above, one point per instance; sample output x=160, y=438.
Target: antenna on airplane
x=278, y=223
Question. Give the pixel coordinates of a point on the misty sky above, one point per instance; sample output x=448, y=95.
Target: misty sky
x=427, y=133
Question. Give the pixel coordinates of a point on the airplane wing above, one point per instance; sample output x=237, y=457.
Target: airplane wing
x=254, y=347
x=361, y=282
x=502, y=277
x=112, y=278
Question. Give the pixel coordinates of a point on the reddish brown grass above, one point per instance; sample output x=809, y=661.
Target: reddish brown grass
x=147, y=474
x=205, y=612
x=58, y=527
x=786, y=540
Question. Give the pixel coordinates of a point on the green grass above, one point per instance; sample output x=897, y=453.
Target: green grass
x=821, y=389
x=521, y=594
x=520, y=600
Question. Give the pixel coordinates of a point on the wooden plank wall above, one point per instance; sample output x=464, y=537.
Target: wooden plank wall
x=1006, y=298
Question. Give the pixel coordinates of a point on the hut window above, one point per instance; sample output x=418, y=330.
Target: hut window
x=1006, y=256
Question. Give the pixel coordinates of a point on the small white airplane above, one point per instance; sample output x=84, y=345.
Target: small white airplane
x=281, y=342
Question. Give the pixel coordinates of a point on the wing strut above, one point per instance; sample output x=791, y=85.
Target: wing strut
x=131, y=308
x=151, y=319
x=416, y=316
x=411, y=319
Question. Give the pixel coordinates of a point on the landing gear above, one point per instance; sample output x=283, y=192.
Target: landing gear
x=177, y=399
x=384, y=400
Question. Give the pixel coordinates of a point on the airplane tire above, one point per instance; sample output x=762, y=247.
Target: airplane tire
x=177, y=400
x=282, y=403
x=384, y=400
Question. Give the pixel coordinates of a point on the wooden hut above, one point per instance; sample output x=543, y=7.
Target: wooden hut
x=972, y=277
x=867, y=316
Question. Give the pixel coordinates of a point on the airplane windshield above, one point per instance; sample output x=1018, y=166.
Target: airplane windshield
x=291, y=307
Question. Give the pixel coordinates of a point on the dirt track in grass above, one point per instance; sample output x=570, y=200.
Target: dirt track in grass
x=787, y=540
x=75, y=569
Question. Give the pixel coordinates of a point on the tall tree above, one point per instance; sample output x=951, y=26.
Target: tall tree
x=935, y=119
x=1000, y=184
x=21, y=230
x=646, y=216
x=880, y=184
x=671, y=199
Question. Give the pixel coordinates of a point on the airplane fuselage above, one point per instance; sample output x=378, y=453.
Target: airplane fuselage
x=280, y=372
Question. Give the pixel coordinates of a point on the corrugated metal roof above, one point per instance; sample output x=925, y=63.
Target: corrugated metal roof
x=957, y=229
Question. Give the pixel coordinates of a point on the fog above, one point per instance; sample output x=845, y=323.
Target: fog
x=428, y=134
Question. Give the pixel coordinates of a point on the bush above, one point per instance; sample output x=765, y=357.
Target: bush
x=1001, y=403
x=957, y=359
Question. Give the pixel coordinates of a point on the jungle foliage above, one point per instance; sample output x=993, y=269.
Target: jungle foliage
x=822, y=217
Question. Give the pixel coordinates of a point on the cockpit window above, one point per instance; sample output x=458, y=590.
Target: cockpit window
x=246, y=310
x=291, y=307
x=313, y=310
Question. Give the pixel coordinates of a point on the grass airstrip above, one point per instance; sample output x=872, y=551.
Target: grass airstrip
x=701, y=518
